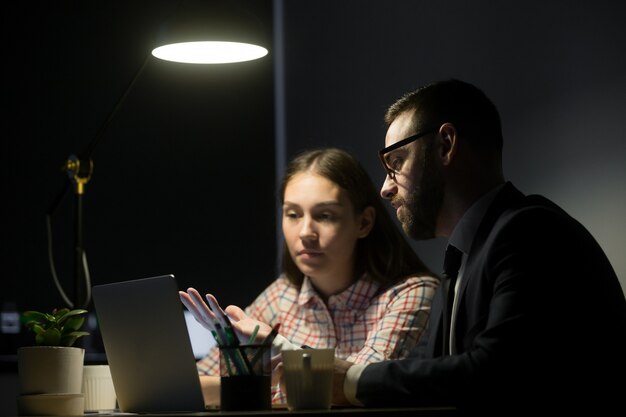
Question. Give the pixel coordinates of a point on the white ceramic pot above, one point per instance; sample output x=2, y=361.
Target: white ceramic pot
x=50, y=369
x=51, y=405
x=98, y=388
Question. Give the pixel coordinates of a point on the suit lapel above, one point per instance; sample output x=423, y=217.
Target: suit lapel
x=508, y=197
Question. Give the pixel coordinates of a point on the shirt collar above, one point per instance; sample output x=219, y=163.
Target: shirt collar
x=463, y=234
x=353, y=297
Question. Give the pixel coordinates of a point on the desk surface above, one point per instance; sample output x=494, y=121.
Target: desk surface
x=347, y=412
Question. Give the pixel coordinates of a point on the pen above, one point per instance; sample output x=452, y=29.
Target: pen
x=272, y=335
x=245, y=367
x=267, y=342
x=217, y=338
x=231, y=337
x=221, y=335
x=235, y=356
x=253, y=335
x=227, y=361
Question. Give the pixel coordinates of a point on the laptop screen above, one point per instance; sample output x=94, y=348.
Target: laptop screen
x=147, y=344
x=201, y=339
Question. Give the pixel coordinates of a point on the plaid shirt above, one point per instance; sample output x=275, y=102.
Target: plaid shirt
x=362, y=323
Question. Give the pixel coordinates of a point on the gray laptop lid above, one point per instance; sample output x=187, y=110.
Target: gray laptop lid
x=147, y=345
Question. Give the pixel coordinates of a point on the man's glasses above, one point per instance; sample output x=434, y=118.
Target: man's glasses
x=393, y=168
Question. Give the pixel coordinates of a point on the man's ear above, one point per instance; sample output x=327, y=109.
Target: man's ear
x=366, y=221
x=449, y=143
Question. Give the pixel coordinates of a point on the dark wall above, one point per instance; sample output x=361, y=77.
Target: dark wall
x=184, y=175
x=183, y=178
x=556, y=70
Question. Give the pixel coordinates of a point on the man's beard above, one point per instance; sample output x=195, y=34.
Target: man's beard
x=422, y=205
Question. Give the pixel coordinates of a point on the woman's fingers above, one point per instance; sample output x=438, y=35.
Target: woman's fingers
x=236, y=313
x=217, y=310
x=277, y=371
x=212, y=317
x=247, y=326
x=198, y=310
x=202, y=308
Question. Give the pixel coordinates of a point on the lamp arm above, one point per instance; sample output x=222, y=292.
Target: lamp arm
x=79, y=170
x=103, y=128
x=88, y=152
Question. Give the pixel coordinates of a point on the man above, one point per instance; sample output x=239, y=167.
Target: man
x=536, y=316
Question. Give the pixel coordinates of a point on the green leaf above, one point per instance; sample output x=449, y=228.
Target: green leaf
x=32, y=318
x=37, y=328
x=60, y=312
x=73, y=324
x=50, y=337
x=70, y=338
x=61, y=328
x=66, y=314
x=33, y=315
x=67, y=341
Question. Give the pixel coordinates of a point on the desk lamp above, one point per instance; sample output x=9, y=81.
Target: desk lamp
x=199, y=32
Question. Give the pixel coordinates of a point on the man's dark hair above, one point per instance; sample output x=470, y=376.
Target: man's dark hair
x=464, y=105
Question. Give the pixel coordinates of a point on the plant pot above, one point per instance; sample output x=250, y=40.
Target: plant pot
x=50, y=369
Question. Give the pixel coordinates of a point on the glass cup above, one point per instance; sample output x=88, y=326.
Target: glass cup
x=245, y=378
x=308, y=378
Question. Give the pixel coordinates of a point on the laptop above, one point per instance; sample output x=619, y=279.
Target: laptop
x=147, y=346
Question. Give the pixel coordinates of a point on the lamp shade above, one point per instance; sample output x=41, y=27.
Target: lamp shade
x=211, y=32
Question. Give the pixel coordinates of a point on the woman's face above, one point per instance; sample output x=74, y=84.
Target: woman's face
x=321, y=230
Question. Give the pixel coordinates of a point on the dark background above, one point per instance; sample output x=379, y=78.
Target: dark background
x=185, y=176
x=555, y=69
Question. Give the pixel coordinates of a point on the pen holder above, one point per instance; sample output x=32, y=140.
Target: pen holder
x=246, y=377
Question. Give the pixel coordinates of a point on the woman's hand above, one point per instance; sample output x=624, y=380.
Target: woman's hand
x=212, y=317
x=244, y=325
x=198, y=308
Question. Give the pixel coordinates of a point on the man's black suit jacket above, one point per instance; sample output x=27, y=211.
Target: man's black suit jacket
x=540, y=313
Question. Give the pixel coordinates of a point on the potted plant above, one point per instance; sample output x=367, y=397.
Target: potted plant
x=61, y=328
x=53, y=365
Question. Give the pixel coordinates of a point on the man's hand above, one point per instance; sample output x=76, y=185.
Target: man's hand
x=339, y=397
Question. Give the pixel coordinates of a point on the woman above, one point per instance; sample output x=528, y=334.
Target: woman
x=349, y=279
